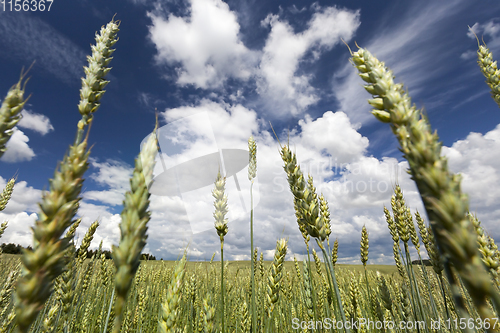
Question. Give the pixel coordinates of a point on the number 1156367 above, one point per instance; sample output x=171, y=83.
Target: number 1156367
x=25, y=5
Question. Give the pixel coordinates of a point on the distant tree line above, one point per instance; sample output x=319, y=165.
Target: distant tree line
x=426, y=262
x=12, y=248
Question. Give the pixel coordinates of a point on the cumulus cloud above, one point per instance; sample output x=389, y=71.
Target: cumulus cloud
x=477, y=158
x=20, y=212
x=17, y=148
x=207, y=49
x=206, y=45
x=112, y=174
x=334, y=134
x=279, y=82
x=356, y=186
x=36, y=122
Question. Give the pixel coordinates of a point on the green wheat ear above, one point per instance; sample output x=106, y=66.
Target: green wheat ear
x=220, y=224
x=169, y=312
x=7, y=193
x=440, y=190
x=489, y=69
x=133, y=226
x=10, y=112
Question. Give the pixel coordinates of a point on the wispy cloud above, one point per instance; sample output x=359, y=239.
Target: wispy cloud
x=400, y=47
x=31, y=39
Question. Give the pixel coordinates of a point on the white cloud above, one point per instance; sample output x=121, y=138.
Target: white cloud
x=20, y=212
x=334, y=134
x=469, y=54
x=112, y=174
x=17, y=148
x=208, y=50
x=490, y=29
x=34, y=121
x=18, y=228
x=108, y=230
x=24, y=197
x=230, y=123
x=477, y=158
x=356, y=186
x=279, y=83
x=206, y=45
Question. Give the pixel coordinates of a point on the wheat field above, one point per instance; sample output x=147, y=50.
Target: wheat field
x=52, y=287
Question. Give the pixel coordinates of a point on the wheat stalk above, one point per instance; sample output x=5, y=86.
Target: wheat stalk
x=335, y=251
x=252, y=173
x=3, y=226
x=364, y=245
x=487, y=251
x=93, y=85
x=220, y=205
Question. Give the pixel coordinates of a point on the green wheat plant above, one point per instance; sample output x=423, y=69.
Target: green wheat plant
x=310, y=216
x=364, y=246
x=489, y=69
x=252, y=173
x=220, y=204
x=170, y=307
x=43, y=264
x=7, y=193
x=446, y=205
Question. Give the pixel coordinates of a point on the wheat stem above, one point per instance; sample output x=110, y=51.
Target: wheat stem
x=252, y=173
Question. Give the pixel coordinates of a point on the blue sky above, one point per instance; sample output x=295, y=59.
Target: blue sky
x=217, y=72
